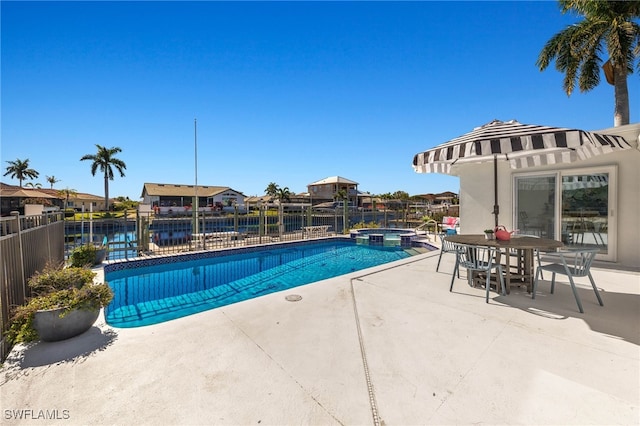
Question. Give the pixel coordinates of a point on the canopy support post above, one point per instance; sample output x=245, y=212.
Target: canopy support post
x=496, y=207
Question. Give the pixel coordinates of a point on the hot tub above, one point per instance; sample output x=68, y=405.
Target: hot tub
x=388, y=237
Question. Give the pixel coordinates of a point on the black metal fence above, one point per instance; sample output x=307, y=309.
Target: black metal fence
x=140, y=234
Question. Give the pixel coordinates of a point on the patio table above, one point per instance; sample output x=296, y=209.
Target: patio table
x=524, y=246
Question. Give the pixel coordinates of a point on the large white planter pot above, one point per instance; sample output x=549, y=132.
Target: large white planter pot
x=52, y=328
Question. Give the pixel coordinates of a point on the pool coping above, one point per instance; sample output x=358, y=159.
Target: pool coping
x=141, y=262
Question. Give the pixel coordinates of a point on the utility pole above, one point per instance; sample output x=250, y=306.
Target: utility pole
x=195, y=202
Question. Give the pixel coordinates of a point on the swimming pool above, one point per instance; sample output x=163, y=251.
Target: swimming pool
x=158, y=290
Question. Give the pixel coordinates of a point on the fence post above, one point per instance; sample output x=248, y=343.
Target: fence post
x=47, y=222
x=373, y=211
x=24, y=281
x=261, y=224
x=235, y=217
x=126, y=236
x=280, y=219
x=203, y=228
x=345, y=216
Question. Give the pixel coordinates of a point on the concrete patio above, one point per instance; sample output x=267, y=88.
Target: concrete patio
x=391, y=347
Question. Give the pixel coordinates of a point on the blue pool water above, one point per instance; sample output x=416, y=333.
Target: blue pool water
x=153, y=294
x=122, y=246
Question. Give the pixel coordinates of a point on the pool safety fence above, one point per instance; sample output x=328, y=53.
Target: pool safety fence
x=143, y=234
x=27, y=244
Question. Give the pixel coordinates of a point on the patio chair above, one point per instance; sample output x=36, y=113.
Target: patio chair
x=574, y=263
x=446, y=247
x=478, y=259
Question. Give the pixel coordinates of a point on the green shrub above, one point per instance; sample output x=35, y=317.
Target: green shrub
x=84, y=255
x=53, y=278
x=55, y=287
x=363, y=225
x=124, y=204
x=438, y=216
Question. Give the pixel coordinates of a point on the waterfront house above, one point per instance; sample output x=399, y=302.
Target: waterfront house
x=326, y=190
x=170, y=198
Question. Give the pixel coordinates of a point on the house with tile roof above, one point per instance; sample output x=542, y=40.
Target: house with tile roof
x=80, y=200
x=176, y=198
x=14, y=197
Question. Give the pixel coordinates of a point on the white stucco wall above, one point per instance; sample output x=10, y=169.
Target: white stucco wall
x=477, y=196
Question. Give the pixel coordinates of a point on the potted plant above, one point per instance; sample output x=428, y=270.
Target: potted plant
x=88, y=255
x=66, y=302
x=489, y=234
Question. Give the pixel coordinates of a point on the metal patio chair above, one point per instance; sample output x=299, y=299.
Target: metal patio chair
x=478, y=259
x=573, y=263
x=446, y=247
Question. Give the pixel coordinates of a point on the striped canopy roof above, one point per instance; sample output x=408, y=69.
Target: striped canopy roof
x=524, y=145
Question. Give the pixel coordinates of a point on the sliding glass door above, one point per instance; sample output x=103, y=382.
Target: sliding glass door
x=574, y=206
x=536, y=205
x=585, y=210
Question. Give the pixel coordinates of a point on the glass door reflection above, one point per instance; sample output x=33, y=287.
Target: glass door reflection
x=585, y=207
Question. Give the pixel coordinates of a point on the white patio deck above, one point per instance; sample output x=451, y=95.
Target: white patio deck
x=432, y=357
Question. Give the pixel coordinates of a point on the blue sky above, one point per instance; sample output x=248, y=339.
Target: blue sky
x=283, y=92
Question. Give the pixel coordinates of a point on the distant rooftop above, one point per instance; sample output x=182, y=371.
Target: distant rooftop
x=171, y=189
x=334, y=179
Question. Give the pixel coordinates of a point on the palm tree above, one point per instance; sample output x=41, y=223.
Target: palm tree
x=283, y=194
x=33, y=185
x=66, y=194
x=272, y=189
x=280, y=194
x=402, y=198
x=401, y=195
x=52, y=180
x=105, y=160
x=20, y=170
x=608, y=26
x=341, y=195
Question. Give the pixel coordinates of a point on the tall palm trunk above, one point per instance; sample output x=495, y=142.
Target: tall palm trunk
x=106, y=191
x=621, y=113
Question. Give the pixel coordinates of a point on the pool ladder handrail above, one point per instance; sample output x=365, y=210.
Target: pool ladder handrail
x=430, y=222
